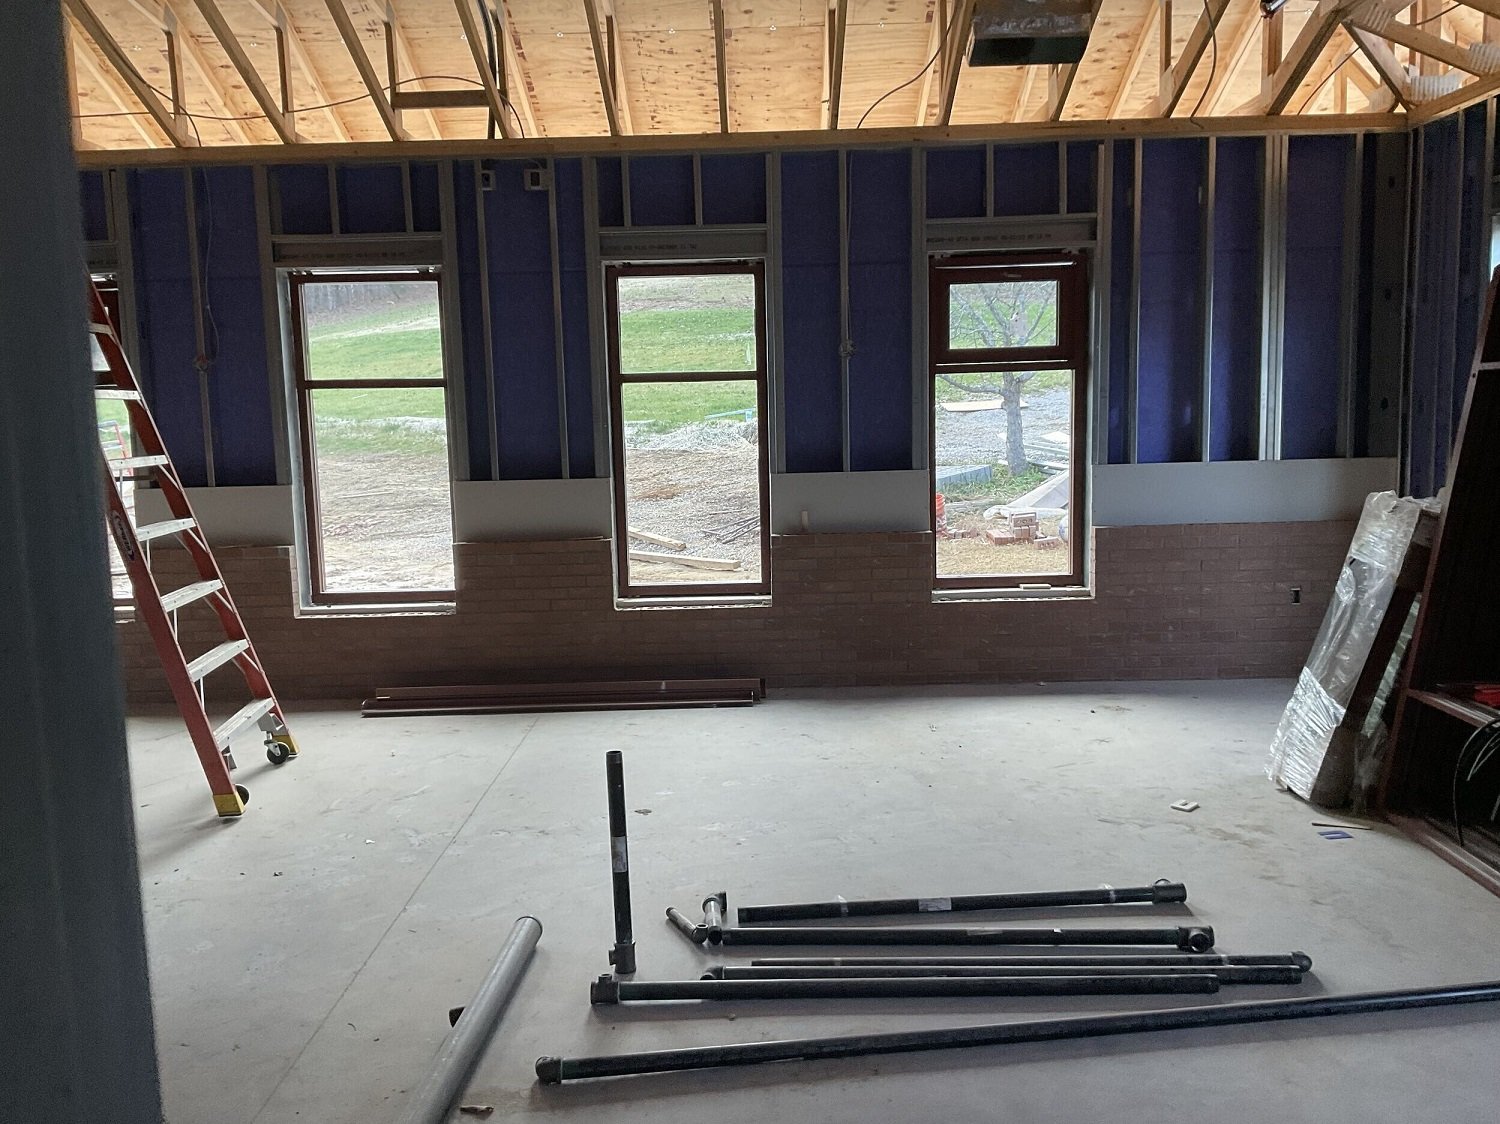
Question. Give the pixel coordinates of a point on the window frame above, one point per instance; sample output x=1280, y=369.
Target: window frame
x=303, y=387
x=613, y=272
x=1071, y=272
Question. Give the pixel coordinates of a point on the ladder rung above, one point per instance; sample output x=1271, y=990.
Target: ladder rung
x=101, y=329
x=190, y=593
x=152, y=460
x=247, y=716
x=148, y=531
x=216, y=658
x=117, y=394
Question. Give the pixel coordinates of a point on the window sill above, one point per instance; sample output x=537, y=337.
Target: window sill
x=708, y=601
x=1055, y=593
x=382, y=609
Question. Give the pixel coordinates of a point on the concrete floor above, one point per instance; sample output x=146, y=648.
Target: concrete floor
x=304, y=957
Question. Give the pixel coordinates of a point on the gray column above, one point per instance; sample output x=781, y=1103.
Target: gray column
x=76, y=1033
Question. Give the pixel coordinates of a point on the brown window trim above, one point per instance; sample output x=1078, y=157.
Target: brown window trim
x=757, y=376
x=304, y=385
x=1072, y=353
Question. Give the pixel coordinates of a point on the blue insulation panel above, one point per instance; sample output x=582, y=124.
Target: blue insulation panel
x=577, y=354
x=164, y=304
x=478, y=392
x=1437, y=162
x=1235, y=407
x=955, y=183
x=810, y=318
x=1121, y=315
x=1026, y=179
x=734, y=189
x=611, y=194
x=372, y=199
x=520, y=253
x=302, y=199
x=1083, y=160
x=426, y=206
x=661, y=191
x=1170, y=373
x=880, y=297
x=1317, y=171
x=94, y=197
x=1472, y=274
x=238, y=374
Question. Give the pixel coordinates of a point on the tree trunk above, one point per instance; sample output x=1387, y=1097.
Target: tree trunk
x=1015, y=449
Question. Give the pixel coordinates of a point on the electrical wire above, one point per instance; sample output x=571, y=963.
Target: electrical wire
x=1213, y=69
x=367, y=96
x=1490, y=731
x=941, y=47
x=1316, y=90
x=1437, y=16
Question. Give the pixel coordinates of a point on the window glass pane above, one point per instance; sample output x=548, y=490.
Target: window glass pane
x=692, y=482
x=372, y=330
x=1003, y=456
x=993, y=314
x=115, y=439
x=384, y=513
x=691, y=322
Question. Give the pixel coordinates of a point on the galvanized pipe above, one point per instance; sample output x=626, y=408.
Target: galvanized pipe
x=1226, y=974
x=695, y=933
x=610, y=990
x=551, y=1070
x=431, y=1101
x=1299, y=960
x=1196, y=938
x=1160, y=893
x=622, y=956
x=713, y=916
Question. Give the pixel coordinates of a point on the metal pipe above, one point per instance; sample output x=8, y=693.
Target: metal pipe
x=1299, y=960
x=1227, y=974
x=695, y=933
x=434, y=1097
x=609, y=990
x=551, y=1070
x=1160, y=893
x=622, y=956
x=1196, y=938
x=714, y=909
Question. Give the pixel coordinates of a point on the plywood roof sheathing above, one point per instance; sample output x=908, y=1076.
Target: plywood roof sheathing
x=1232, y=59
x=1304, y=53
x=607, y=91
x=957, y=51
x=474, y=35
x=388, y=115
x=1175, y=78
x=229, y=41
x=1137, y=59
x=320, y=96
x=94, y=28
x=107, y=85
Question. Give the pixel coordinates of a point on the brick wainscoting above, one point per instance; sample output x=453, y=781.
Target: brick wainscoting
x=1175, y=602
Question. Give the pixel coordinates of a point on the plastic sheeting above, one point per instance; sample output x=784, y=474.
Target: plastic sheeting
x=1300, y=751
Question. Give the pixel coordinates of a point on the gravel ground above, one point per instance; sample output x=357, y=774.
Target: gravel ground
x=978, y=437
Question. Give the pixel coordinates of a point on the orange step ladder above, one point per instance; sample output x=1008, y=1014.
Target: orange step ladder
x=149, y=461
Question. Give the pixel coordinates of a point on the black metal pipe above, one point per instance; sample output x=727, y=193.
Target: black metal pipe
x=1196, y=938
x=713, y=915
x=1159, y=893
x=551, y=1070
x=1299, y=960
x=622, y=956
x=609, y=989
x=1227, y=974
x=695, y=933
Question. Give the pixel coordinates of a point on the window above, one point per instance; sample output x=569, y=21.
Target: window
x=1008, y=349
x=687, y=358
x=114, y=436
x=372, y=415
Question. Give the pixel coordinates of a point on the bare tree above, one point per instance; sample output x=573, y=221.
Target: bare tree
x=1003, y=315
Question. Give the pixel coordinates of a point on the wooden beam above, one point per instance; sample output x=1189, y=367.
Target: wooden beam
x=1230, y=62
x=1423, y=15
x=1175, y=78
x=109, y=85
x=1327, y=64
x=960, y=31
x=601, y=65
x=474, y=34
x=1271, y=32
x=1461, y=98
x=389, y=116
x=1134, y=63
x=518, y=85
x=936, y=38
x=1319, y=28
x=304, y=62
x=618, y=80
x=248, y=74
x=836, y=23
x=1424, y=43
x=721, y=64
x=1059, y=85
x=1028, y=83
x=1383, y=59
x=214, y=93
x=94, y=28
x=402, y=55
x=1164, y=36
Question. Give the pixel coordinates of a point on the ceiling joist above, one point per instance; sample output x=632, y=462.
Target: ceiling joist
x=1136, y=60
x=1392, y=74
x=474, y=36
x=175, y=128
x=956, y=47
x=836, y=24
x=1282, y=84
x=1059, y=85
x=389, y=116
x=721, y=63
x=607, y=91
x=1176, y=76
x=230, y=42
x=1430, y=46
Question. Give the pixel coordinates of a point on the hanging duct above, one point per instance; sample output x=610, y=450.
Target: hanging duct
x=1028, y=32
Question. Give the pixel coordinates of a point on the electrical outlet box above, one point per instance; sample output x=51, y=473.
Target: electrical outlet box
x=538, y=179
x=486, y=180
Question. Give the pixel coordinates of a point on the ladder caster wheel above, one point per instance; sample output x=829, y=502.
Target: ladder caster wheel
x=278, y=753
x=244, y=793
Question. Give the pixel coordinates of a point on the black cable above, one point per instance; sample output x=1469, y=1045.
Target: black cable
x=942, y=45
x=1438, y=16
x=489, y=46
x=300, y=109
x=1213, y=68
x=1326, y=78
x=1491, y=731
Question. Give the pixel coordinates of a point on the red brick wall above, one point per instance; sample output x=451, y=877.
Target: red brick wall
x=1175, y=602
